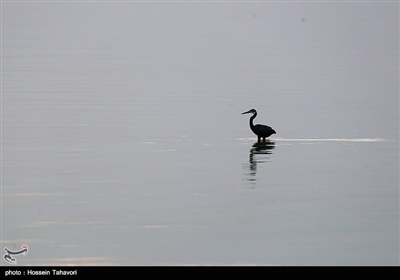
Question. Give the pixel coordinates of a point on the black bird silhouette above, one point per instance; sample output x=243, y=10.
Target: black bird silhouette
x=262, y=131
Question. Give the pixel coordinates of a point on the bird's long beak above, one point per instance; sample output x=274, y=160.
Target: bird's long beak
x=245, y=112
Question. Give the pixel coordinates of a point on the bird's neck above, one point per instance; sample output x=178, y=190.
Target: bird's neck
x=251, y=120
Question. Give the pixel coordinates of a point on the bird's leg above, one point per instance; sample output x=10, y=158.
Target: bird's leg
x=259, y=139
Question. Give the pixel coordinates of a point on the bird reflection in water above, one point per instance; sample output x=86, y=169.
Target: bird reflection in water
x=259, y=154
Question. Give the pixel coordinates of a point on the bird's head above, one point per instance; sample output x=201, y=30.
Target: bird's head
x=252, y=111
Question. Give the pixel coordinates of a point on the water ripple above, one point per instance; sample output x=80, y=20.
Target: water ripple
x=322, y=139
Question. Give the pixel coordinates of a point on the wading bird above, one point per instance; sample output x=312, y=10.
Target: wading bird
x=262, y=131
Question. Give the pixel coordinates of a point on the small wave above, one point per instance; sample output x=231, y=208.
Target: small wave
x=334, y=140
x=323, y=139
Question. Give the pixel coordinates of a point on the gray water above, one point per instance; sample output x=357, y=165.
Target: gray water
x=123, y=141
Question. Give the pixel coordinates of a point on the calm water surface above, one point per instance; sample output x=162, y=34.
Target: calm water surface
x=123, y=141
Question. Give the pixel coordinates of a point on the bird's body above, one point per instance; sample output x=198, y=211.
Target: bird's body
x=262, y=131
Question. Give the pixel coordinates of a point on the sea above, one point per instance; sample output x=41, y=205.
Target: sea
x=123, y=143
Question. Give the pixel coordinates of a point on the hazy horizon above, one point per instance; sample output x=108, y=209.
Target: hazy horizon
x=123, y=141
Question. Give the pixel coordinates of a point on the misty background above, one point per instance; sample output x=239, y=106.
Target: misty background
x=121, y=131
